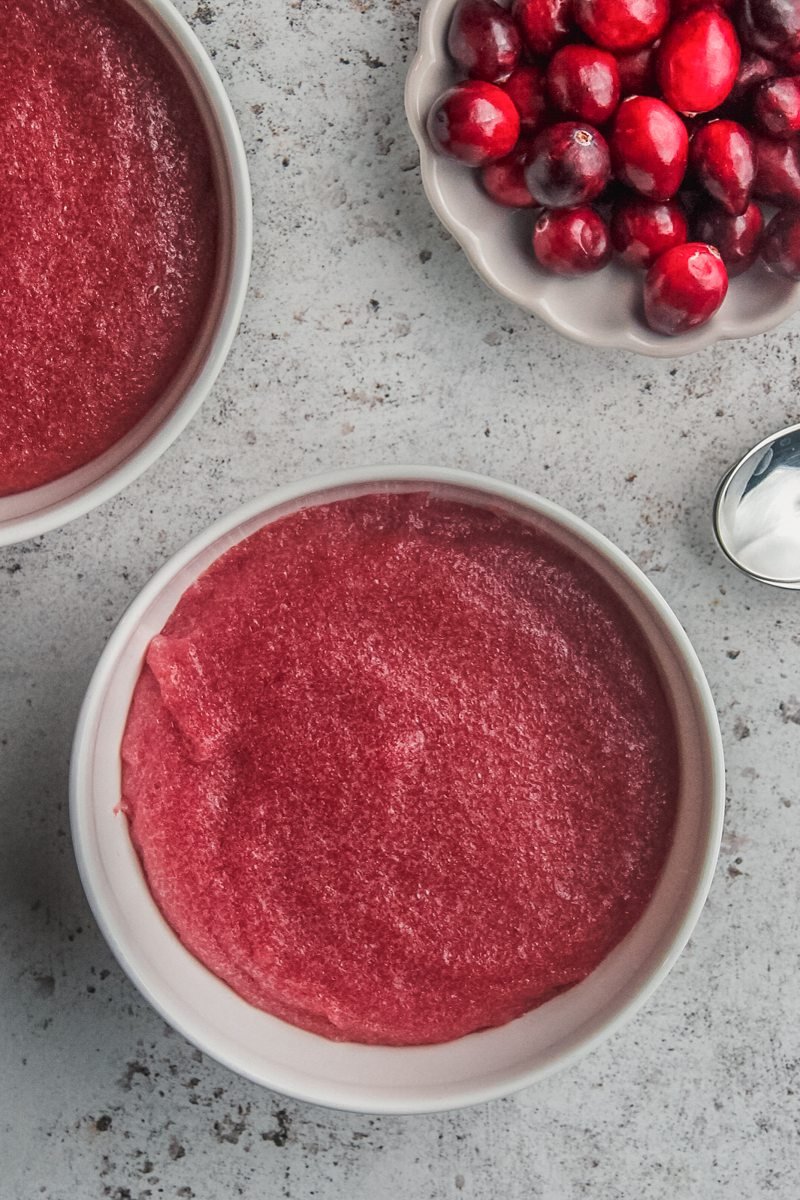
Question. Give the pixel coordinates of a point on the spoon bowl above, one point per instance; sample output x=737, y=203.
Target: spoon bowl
x=757, y=511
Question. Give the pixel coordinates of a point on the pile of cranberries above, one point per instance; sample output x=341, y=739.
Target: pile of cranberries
x=645, y=127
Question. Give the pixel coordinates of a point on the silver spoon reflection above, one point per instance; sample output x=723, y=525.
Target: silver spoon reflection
x=757, y=511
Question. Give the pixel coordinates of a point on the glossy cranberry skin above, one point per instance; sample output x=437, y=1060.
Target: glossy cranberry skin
x=545, y=24
x=781, y=245
x=637, y=72
x=569, y=165
x=643, y=229
x=504, y=180
x=571, y=241
x=722, y=155
x=684, y=288
x=621, y=25
x=697, y=61
x=770, y=26
x=737, y=238
x=474, y=122
x=776, y=107
x=777, y=171
x=649, y=147
x=483, y=40
x=753, y=69
x=526, y=87
x=583, y=82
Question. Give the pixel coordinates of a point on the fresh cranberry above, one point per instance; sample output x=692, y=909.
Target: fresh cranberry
x=569, y=165
x=781, y=246
x=649, y=147
x=791, y=63
x=526, y=87
x=770, y=26
x=504, y=180
x=776, y=107
x=637, y=72
x=474, y=122
x=483, y=40
x=737, y=238
x=753, y=69
x=679, y=7
x=545, y=24
x=622, y=24
x=571, y=241
x=697, y=61
x=777, y=171
x=583, y=82
x=684, y=288
x=723, y=156
x=643, y=229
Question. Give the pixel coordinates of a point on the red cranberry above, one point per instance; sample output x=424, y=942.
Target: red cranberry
x=684, y=288
x=571, y=241
x=483, y=40
x=622, y=24
x=776, y=107
x=770, y=26
x=777, y=171
x=526, y=87
x=637, y=72
x=474, y=122
x=737, y=238
x=649, y=147
x=679, y=7
x=790, y=63
x=584, y=83
x=723, y=156
x=504, y=180
x=643, y=229
x=781, y=246
x=697, y=61
x=545, y=24
x=753, y=69
x=569, y=165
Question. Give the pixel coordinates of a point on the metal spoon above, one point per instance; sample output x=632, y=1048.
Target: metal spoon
x=757, y=511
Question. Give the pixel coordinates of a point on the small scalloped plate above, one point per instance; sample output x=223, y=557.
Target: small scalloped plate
x=603, y=310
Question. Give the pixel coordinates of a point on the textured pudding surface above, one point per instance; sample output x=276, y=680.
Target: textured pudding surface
x=399, y=768
x=108, y=233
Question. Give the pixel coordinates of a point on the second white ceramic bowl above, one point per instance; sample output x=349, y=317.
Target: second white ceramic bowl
x=374, y=1078
x=38, y=510
x=603, y=310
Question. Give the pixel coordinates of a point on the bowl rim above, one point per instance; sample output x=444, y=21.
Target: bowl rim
x=169, y=25
x=367, y=1098
x=636, y=340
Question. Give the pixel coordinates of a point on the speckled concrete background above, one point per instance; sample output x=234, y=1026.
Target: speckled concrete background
x=367, y=338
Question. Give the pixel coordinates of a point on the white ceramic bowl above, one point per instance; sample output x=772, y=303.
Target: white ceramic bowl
x=40, y=509
x=600, y=310
x=373, y=1078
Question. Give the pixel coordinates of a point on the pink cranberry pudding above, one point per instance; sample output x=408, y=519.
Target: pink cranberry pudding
x=399, y=768
x=108, y=236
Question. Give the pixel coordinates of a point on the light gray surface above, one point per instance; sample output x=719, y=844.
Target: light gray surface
x=367, y=338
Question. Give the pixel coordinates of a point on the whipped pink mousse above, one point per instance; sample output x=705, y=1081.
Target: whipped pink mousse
x=108, y=231
x=399, y=768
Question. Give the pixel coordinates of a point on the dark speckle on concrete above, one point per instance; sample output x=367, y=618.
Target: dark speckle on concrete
x=279, y=1136
x=790, y=711
x=45, y=984
x=132, y=1070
